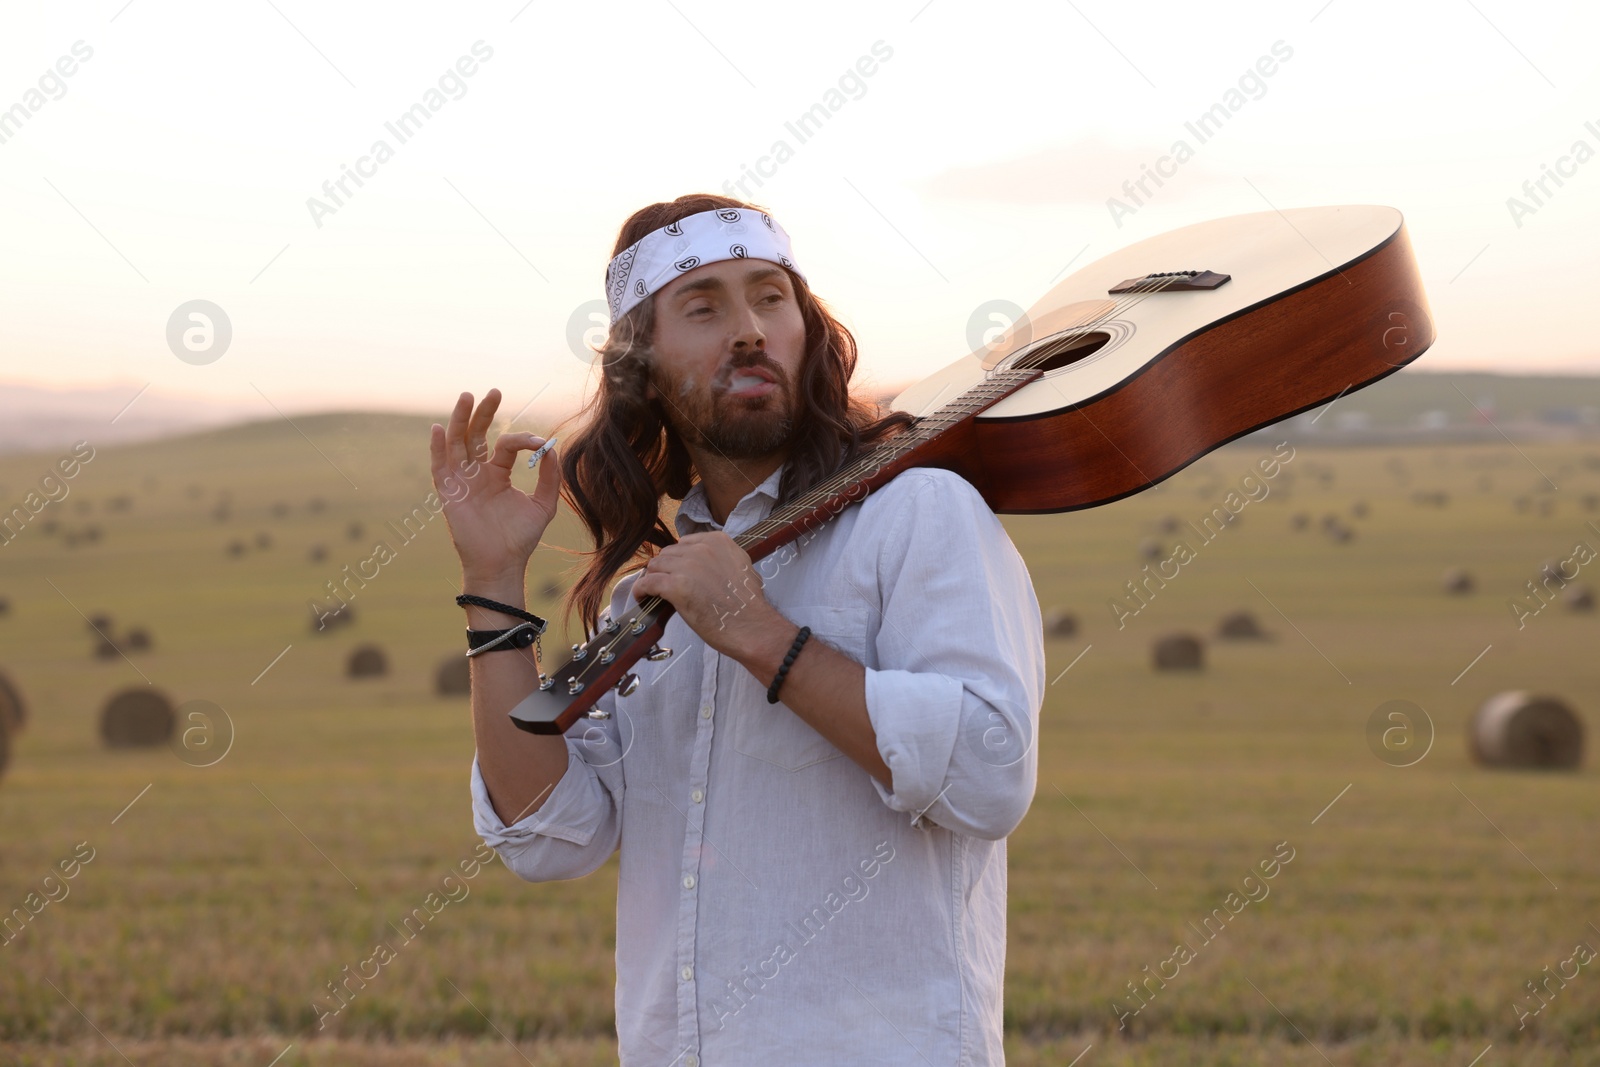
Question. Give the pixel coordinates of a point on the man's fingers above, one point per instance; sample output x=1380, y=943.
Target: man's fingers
x=478, y=428
x=507, y=445
x=455, y=435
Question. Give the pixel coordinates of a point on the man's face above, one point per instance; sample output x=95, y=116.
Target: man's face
x=719, y=329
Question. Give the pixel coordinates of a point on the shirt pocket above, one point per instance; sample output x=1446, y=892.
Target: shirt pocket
x=773, y=733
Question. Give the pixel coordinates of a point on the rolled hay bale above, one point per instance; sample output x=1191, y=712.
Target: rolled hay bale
x=136, y=640
x=367, y=661
x=1339, y=533
x=551, y=589
x=1457, y=582
x=13, y=712
x=222, y=513
x=454, y=677
x=5, y=751
x=1551, y=572
x=235, y=549
x=280, y=509
x=137, y=718
x=99, y=623
x=1299, y=521
x=1177, y=652
x=1547, y=507
x=355, y=531
x=1518, y=729
x=1485, y=483
x=1578, y=598
x=263, y=540
x=1522, y=504
x=1591, y=502
x=1059, y=623
x=1150, y=548
x=317, y=553
x=344, y=615
x=5, y=606
x=1359, y=509
x=105, y=648
x=1240, y=626
x=1169, y=524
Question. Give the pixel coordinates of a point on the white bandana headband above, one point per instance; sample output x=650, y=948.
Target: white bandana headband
x=650, y=263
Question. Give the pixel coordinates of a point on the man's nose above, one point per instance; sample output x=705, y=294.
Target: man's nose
x=747, y=329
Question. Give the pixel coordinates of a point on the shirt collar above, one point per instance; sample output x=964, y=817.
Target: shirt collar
x=694, y=515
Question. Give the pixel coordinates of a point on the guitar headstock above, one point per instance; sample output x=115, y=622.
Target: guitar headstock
x=595, y=666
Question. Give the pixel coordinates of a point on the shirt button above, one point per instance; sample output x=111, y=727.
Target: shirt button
x=705, y=712
x=688, y=881
x=698, y=795
x=691, y=1060
x=687, y=972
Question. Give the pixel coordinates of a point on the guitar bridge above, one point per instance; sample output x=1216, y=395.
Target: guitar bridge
x=1177, y=281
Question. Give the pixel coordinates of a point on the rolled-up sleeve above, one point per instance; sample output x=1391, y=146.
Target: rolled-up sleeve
x=955, y=699
x=579, y=824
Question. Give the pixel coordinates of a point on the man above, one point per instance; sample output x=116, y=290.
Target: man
x=813, y=856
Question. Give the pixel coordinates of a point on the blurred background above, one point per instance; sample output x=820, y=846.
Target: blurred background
x=251, y=253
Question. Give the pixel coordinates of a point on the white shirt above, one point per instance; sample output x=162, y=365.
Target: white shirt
x=776, y=904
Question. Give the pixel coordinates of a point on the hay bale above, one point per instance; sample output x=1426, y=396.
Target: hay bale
x=1547, y=507
x=454, y=677
x=1516, y=729
x=1151, y=549
x=551, y=589
x=1522, y=504
x=1578, y=598
x=1359, y=509
x=1457, y=582
x=222, y=512
x=235, y=549
x=136, y=640
x=1591, y=502
x=1169, y=524
x=1240, y=626
x=1299, y=521
x=106, y=648
x=355, y=531
x=344, y=615
x=317, y=554
x=99, y=623
x=280, y=509
x=316, y=505
x=367, y=661
x=1339, y=533
x=5, y=606
x=137, y=718
x=1551, y=572
x=1177, y=652
x=5, y=751
x=13, y=712
x=263, y=540
x=1059, y=623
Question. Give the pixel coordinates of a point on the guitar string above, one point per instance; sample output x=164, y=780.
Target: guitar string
x=849, y=476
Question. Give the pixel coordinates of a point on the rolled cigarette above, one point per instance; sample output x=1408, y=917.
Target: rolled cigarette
x=539, y=452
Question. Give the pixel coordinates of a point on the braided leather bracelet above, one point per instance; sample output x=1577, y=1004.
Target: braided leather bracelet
x=794, y=650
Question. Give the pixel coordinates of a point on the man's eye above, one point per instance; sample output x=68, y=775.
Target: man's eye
x=776, y=296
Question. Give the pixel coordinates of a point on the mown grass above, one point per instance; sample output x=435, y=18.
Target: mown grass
x=218, y=906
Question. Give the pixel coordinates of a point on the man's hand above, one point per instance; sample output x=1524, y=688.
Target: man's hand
x=494, y=525
x=708, y=579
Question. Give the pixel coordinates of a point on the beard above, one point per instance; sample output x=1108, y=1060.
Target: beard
x=734, y=427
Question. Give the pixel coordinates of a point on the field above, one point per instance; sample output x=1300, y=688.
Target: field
x=1420, y=903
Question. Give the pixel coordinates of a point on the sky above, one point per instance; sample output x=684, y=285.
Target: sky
x=160, y=152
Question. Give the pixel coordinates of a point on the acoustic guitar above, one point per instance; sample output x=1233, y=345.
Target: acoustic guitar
x=1126, y=372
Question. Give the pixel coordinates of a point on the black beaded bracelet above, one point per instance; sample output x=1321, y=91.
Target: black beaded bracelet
x=794, y=650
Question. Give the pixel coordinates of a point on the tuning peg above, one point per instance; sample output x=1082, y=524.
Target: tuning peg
x=578, y=651
x=628, y=684
x=598, y=712
x=657, y=653
x=546, y=682
x=574, y=687
x=611, y=626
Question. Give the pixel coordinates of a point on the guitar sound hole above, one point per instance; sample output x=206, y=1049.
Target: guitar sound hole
x=1058, y=352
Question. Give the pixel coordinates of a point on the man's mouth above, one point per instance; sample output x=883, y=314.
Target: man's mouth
x=750, y=383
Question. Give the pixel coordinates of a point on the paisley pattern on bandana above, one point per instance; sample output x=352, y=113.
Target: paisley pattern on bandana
x=653, y=261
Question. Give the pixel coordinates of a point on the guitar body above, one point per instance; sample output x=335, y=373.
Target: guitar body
x=1125, y=373
x=1319, y=302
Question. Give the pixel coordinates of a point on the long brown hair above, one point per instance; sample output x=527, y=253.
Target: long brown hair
x=627, y=455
